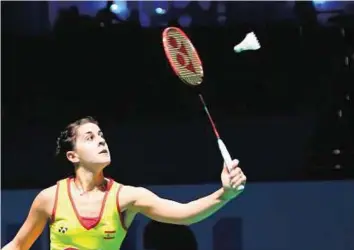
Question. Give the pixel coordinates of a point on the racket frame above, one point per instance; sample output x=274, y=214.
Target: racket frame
x=194, y=51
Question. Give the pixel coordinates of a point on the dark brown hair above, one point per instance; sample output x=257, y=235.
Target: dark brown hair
x=66, y=140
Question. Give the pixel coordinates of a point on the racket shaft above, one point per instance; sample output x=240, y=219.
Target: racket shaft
x=227, y=158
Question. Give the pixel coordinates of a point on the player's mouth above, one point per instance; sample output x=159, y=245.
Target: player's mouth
x=103, y=151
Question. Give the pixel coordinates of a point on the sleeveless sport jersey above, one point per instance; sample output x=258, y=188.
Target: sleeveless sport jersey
x=69, y=231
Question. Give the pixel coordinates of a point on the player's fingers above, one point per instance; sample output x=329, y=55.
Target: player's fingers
x=235, y=172
x=235, y=163
x=238, y=180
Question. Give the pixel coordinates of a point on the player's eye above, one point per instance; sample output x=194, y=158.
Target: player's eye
x=89, y=138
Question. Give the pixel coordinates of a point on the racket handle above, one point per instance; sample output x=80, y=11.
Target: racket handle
x=227, y=158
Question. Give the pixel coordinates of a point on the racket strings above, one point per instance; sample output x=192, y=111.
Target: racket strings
x=184, y=58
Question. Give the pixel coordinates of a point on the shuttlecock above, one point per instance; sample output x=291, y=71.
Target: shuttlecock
x=249, y=43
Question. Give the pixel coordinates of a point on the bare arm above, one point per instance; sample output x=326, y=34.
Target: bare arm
x=168, y=211
x=32, y=227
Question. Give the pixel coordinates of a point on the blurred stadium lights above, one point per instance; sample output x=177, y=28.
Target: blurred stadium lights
x=316, y=2
x=114, y=8
x=161, y=7
x=119, y=8
x=330, y=5
x=160, y=11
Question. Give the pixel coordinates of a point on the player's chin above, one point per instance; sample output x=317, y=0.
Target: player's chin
x=106, y=160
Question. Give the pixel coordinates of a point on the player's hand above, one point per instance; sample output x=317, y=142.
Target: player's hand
x=231, y=180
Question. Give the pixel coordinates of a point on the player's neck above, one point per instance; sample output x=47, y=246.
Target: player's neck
x=88, y=180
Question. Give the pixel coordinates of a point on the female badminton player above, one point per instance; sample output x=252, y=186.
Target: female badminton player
x=90, y=211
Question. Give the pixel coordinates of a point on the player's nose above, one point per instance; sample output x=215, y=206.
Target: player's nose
x=102, y=142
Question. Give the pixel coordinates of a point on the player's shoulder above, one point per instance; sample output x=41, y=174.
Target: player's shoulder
x=129, y=193
x=134, y=192
x=129, y=188
x=48, y=194
x=45, y=199
x=122, y=186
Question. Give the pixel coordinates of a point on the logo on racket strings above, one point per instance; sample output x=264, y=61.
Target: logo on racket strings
x=179, y=51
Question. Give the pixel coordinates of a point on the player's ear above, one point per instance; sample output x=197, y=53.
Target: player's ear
x=72, y=156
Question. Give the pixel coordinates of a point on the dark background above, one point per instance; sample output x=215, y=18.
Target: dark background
x=276, y=108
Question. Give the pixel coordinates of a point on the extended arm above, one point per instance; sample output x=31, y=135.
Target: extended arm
x=32, y=227
x=168, y=211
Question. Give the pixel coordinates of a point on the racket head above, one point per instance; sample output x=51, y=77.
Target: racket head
x=182, y=56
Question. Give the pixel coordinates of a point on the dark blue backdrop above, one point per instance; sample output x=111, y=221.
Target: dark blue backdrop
x=268, y=216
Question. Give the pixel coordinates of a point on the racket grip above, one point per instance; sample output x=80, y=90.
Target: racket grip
x=227, y=158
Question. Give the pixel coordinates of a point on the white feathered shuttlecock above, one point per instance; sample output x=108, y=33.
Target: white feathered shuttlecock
x=249, y=43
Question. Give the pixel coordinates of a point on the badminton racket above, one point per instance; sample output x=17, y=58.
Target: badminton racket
x=186, y=63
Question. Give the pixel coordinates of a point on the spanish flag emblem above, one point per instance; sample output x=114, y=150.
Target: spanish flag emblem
x=109, y=235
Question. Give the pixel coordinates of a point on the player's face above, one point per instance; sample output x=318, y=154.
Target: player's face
x=91, y=147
